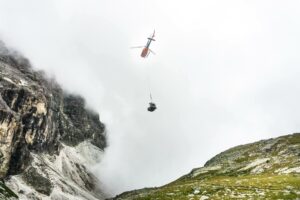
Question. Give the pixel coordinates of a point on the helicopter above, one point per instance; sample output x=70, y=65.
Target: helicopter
x=146, y=50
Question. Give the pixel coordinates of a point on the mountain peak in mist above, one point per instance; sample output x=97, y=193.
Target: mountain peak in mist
x=48, y=139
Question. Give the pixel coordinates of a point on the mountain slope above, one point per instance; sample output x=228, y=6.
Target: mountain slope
x=268, y=169
x=48, y=139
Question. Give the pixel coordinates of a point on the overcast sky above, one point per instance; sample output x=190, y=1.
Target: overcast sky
x=225, y=73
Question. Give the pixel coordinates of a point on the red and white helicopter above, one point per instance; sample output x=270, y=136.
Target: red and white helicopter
x=146, y=50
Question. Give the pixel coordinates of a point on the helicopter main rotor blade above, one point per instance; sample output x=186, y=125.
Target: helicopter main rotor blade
x=152, y=51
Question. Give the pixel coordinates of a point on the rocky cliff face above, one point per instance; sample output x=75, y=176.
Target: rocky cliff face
x=268, y=169
x=47, y=137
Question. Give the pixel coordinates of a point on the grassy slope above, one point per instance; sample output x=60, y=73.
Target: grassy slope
x=255, y=171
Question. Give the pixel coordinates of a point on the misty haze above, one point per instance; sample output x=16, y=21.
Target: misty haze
x=222, y=74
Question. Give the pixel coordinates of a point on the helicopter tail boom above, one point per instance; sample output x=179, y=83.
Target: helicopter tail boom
x=151, y=39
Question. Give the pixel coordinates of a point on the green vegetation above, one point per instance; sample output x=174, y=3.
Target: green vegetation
x=224, y=187
x=268, y=169
x=6, y=193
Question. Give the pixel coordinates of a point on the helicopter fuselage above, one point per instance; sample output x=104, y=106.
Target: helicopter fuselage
x=145, y=51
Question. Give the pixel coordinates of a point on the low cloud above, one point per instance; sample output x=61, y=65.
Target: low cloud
x=225, y=73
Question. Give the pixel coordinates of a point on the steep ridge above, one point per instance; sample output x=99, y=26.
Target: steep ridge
x=48, y=139
x=268, y=169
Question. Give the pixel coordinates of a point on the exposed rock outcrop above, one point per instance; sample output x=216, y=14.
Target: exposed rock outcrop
x=37, y=121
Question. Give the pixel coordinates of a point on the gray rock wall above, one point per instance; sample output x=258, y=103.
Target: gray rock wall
x=37, y=116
